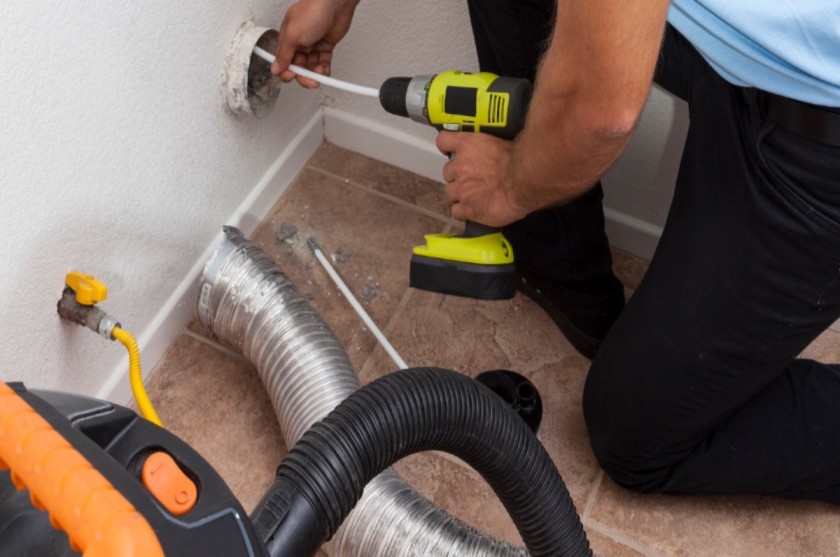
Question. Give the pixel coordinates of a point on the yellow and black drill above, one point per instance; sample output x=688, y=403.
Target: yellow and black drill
x=479, y=262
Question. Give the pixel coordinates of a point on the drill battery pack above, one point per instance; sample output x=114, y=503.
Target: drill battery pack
x=476, y=264
x=456, y=278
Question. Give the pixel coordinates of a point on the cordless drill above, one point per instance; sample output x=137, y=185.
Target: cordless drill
x=479, y=262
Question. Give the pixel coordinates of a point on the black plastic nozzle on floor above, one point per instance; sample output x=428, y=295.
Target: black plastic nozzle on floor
x=404, y=413
x=518, y=392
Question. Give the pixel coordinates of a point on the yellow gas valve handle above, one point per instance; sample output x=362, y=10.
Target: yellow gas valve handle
x=89, y=290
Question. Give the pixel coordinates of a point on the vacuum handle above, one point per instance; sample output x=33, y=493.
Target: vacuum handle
x=98, y=520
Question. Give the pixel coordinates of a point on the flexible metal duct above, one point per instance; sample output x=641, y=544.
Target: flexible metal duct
x=251, y=306
x=411, y=411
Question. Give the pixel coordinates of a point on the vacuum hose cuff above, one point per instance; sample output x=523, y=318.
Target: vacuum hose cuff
x=418, y=410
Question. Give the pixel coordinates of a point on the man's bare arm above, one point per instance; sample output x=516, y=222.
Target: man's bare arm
x=590, y=89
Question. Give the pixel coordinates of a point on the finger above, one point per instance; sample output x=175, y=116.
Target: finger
x=446, y=142
x=448, y=173
x=282, y=59
x=458, y=212
x=325, y=61
x=285, y=51
x=307, y=83
x=451, y=193
x=286, y=74
x=302, y=59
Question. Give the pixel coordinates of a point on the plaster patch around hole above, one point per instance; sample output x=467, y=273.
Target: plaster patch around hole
x=247, y=83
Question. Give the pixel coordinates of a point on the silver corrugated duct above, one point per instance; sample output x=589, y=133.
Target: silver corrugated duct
x=251, y=306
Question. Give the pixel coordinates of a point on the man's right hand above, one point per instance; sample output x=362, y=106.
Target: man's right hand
x=308, y=35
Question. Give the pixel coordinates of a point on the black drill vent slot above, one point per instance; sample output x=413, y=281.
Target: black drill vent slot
x=497, y=109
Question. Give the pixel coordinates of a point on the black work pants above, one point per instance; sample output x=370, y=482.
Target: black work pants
x=698, y=388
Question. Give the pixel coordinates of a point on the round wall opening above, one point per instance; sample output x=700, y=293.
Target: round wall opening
x=248, y=85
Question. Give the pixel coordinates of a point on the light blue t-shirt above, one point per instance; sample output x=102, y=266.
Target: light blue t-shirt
x=787, y=47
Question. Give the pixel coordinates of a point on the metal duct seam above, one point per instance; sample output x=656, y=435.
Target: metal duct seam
x=250, y=305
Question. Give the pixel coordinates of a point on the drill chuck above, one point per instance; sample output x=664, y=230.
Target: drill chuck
x=407, y=97
x=392, y=95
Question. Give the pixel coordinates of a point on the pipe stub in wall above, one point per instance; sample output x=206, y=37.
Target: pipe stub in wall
x=248, y=85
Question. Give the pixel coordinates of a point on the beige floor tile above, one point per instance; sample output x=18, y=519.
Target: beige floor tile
x=425, y=193
x=714, y=526
x=563, y=432
x=825, y=348
x=604, y=546
x=629, y=269
x=430, y=331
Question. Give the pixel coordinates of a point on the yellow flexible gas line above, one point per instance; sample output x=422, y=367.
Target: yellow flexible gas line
x=135, y=375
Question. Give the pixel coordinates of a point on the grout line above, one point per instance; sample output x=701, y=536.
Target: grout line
x=213, y=344
x=389, y=327
x=593, y=494
x=621, y=538
x=389, y=197
x=614, y=535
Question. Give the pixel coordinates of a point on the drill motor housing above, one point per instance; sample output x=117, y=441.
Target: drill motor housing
x=455, y=100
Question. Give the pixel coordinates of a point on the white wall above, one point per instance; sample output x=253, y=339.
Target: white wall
x=117, y=158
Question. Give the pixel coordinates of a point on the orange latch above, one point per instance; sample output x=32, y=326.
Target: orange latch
x=98, y=520
x=167, y=482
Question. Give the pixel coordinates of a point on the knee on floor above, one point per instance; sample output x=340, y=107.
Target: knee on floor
x=630, y=471
x=624, y=449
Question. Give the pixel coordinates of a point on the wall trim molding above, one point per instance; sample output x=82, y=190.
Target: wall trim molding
x=156, y=338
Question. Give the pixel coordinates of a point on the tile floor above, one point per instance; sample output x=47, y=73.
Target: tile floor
x=367, y=215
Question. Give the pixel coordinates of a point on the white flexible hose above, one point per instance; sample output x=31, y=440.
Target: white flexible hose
x=357, y=307
x=322, y=79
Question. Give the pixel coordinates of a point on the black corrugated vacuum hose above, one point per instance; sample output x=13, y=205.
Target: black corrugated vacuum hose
x=406, y=412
